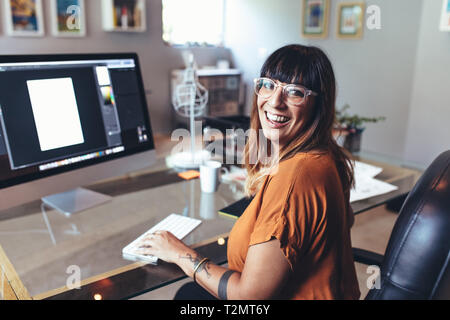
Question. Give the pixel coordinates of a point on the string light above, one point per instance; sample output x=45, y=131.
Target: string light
x=98, y=296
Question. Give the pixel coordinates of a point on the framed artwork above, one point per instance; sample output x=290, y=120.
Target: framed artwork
x=445, y=16
x=315, y=18
x=68, y=18
x=350, y=20
x=124, y=15
x=24, y=18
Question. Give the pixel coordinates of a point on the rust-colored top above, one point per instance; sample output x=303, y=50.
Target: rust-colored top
x=304, y=207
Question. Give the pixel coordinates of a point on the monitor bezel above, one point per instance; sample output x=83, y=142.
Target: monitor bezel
x=148, y=146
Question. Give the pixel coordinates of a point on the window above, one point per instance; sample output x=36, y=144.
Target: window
x=193, y=22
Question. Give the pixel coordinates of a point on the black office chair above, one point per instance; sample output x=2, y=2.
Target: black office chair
x=416, y=262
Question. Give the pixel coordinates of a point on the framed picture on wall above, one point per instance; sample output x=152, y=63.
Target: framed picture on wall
x=24, y=18
x=350, y=20
x=445, y=16
x=124, y=15
x=68, y=18
x=315, y=18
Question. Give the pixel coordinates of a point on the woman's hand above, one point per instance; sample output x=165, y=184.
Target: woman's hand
x=165, y=246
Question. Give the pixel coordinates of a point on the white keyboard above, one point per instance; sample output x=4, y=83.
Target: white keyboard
x=177, y=224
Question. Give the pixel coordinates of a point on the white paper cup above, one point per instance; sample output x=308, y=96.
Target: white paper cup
x=207, y=207
x=210, y=176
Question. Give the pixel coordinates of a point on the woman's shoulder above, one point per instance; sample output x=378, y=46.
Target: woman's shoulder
x=311, y=166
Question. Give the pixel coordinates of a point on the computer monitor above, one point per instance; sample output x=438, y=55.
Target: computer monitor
x=67, y=121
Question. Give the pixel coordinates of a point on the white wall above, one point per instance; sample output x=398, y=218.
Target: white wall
x=401, y=71
x=157, y=59
x=428, y=132
x=374, y=75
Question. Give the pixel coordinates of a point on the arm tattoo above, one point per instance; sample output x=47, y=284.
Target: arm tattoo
x=222, y=292
x=195, y=260
x=205, y=267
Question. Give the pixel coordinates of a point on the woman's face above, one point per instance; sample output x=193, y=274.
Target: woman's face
x=280, y=121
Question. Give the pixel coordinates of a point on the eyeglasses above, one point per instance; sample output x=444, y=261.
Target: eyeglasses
x=293, y=94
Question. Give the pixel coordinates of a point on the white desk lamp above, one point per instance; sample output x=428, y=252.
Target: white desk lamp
x=189, y=100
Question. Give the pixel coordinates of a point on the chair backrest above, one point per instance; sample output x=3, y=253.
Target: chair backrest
x=416, y=261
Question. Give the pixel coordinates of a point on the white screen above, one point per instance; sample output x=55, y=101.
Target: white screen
x=103, y=76
x=55, y=113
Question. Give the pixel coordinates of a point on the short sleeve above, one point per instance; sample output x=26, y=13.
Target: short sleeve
x=291, y=206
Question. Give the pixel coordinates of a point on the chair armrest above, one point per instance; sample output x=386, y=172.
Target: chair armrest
x=367, y=257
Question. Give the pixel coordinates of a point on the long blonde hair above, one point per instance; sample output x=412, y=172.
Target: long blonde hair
x=311, y=67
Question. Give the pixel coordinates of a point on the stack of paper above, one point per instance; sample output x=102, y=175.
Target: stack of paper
x=235, y=174
x=366, y=186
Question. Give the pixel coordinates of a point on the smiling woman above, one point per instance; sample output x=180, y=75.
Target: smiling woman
x=271, y=117
x=298, y=86
x=293, y=240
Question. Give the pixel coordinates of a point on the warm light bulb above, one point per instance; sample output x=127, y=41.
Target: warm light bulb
x=221, y=241
x=98, y=296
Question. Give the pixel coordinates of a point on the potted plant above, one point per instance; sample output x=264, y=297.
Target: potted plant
x=349, y=128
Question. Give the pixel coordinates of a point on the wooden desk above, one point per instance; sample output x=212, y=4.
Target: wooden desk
x=41, y=243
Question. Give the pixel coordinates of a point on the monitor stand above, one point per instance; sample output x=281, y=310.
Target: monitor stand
x=75, y=200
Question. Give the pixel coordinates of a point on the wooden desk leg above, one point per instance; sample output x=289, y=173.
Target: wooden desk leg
x=12, y=287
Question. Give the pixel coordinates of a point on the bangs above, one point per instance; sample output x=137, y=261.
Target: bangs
x=292, y=64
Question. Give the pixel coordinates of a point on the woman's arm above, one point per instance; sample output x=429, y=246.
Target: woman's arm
x=265, y=272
